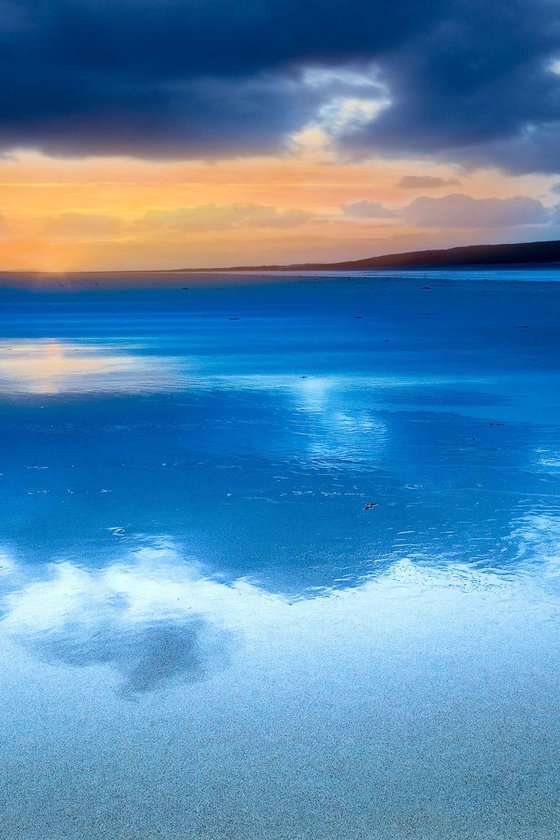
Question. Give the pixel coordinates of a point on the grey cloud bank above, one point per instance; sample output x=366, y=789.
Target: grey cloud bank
x=460, y=211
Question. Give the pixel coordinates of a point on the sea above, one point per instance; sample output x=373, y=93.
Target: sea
x=280, y=556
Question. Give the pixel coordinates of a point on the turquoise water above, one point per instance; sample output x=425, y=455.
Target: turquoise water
x=281, y=560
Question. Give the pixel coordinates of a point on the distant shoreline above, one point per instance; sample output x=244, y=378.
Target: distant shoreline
x=522, y=254
x=184, y=282
x=519, y=255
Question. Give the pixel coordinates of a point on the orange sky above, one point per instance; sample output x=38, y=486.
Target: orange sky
x=120, y=213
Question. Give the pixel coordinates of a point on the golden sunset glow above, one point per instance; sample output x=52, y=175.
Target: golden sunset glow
x=121, y=213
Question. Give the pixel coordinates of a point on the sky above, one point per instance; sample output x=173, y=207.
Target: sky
x=147, y=134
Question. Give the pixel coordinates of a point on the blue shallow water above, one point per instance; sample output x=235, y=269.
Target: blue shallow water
x=281, y=560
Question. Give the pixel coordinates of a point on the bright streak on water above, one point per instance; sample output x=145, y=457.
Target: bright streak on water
x=205, y=633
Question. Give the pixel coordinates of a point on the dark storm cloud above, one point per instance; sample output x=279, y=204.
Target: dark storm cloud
x=163, y=78
x=479, y=87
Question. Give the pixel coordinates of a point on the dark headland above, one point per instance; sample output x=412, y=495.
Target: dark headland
x=519, y=253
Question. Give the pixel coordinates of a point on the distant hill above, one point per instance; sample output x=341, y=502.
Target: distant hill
x=519, y=253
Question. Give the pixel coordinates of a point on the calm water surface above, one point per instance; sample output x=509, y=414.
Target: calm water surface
x=281, y=561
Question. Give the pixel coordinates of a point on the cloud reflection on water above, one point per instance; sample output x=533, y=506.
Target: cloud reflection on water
x=156, y=618
x=143, y=617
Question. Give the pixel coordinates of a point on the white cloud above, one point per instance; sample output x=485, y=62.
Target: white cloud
x=345, y=114
x=353, y=98
x=342, y=77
